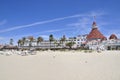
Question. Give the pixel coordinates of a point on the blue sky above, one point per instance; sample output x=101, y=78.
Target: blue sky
x=22, y=18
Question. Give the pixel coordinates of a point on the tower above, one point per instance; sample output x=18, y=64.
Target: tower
x=95, y=33
x=94, y=25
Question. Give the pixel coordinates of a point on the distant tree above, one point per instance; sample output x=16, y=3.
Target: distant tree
x=24, y=38
x=22, y=42
x=11, y=41
x=55, y=43
x=63, y=39
x=70, y=44
x=31, y=40
x=51, y=38
x=19, y=42
x=39, y=40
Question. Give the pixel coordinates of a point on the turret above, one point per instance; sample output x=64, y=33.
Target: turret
x=95, y=33
x=94, y=25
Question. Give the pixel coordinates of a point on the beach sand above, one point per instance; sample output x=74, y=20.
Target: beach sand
x=69, y=65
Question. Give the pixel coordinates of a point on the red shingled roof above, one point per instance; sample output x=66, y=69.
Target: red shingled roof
x=113, y=36
x=95, y=33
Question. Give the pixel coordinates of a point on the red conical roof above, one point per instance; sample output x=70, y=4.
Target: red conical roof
x=95, y=33
x=113, y=36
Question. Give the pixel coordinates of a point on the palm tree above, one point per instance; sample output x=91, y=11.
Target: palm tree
x=31, y=39
x=39, y=39
x=19, y=42
x=55, y=43
x=23, y=40
x=63, y=39
x=51, y=38
x=11, y=41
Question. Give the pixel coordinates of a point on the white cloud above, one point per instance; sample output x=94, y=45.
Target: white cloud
x=38, y=23
x=52, y=20
x=82, y=26
x=97, y=13
x=50, y=31
x=80, y=23
x=84, y=23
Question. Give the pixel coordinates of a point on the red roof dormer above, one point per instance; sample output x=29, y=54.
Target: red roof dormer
x=113, y=36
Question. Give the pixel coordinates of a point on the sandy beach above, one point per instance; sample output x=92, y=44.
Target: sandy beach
x=69, y=65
